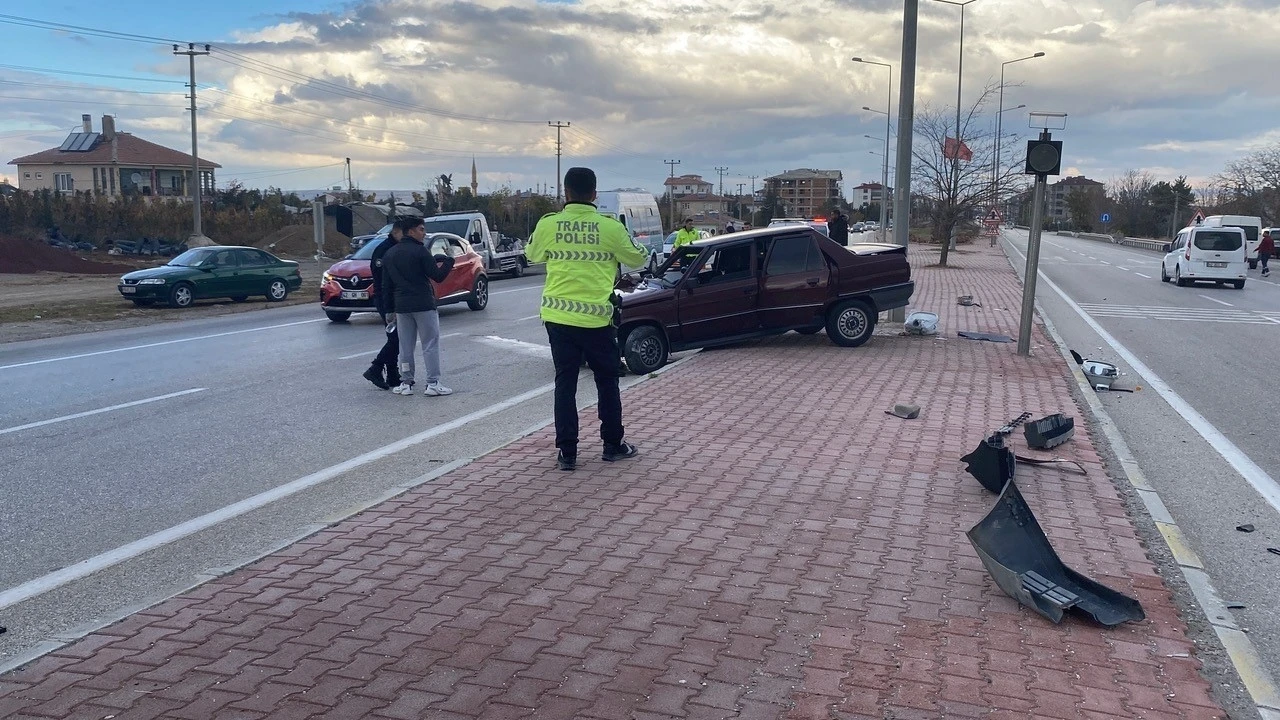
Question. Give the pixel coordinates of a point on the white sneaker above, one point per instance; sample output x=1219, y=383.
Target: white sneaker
x=436, y=388
x=403, y=389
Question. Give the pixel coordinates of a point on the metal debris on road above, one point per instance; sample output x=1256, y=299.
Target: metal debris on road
x=990, y=337
x=906, y=412
x=1049, y=431
x=1247, y=527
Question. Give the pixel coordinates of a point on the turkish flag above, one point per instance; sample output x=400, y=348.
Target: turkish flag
x=951, y=148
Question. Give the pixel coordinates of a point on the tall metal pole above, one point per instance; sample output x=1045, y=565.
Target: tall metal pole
x=671, y=195
x=906, y=130
x=559, y=178
x=191, y=54
x=999, y=142
x=1033, y=262
x=884, y=177
x=721, y=170
x=955, y=158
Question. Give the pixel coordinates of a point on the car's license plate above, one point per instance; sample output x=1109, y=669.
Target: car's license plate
x=355, y=295
x=1216, y=264
x=128, y=289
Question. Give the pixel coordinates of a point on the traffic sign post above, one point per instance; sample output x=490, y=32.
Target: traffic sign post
x=1044, y=158
x=1106, y=220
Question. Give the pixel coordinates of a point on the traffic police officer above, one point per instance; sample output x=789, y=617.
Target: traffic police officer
x=582, y=250
x=686, y=235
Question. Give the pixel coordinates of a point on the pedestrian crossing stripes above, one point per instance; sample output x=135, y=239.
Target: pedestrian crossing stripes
x=1184, y=314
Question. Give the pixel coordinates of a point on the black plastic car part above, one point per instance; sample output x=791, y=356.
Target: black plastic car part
x=1049, y=431
x=1015, y=551
x=991, y=463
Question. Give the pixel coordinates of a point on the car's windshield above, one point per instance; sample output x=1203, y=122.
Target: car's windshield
x=192, y=258
x=456, y=226
x=366, y=251
x=1219, y=240
x=676, y=265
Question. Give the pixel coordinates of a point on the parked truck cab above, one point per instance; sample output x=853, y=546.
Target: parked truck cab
x=500, y=253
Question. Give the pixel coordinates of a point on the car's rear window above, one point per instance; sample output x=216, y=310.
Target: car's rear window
x=1218, y=240
x=1250, y=231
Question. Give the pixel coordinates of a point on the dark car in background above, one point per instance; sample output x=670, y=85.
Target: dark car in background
x=219, y=271
x=347, y=286
x=758, y=283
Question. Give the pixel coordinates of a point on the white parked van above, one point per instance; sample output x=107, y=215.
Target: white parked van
x=638, y=211
x=1205, y=253
x=1252, y=227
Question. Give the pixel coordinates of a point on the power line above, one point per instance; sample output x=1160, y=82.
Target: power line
x=602, y=143
x=96, y=32
x=134, y=78
x=40, y=99
x=86, y=88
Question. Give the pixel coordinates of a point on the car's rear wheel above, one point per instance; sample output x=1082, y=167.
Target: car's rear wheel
x=850, y=323
x=338, y=316
x=646, y=350
x=239, y=298
x=182, y=296
x=278, y=290
x=1253, y=264
x=1177, y=276
x=1239, y=284
x=1164, y=276
x=517, y=270
x=479, y=294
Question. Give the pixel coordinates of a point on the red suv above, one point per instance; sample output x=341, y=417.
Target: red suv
x=347, y=287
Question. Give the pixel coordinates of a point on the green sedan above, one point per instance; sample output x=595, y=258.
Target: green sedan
x=213, y=272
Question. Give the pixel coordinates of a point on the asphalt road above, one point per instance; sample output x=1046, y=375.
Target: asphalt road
x=134, y=436
x=1217, y=349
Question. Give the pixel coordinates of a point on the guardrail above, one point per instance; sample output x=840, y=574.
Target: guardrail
x=1140, y=243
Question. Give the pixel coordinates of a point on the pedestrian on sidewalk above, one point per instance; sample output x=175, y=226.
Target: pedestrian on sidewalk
x=583, y=250
x=1266, y=249
x=386, y=361
x=408, y=271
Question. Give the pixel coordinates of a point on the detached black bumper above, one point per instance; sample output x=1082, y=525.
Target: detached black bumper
x=892, y=296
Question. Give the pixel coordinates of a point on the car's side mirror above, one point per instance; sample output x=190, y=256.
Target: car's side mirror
x=1168, y=247
x=475, y=237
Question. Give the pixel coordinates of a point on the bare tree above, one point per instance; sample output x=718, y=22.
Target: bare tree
x=1131, y=194
x=953, y=189
x=1252, y=184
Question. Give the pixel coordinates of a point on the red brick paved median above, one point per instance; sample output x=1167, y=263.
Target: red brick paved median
x=782, y=548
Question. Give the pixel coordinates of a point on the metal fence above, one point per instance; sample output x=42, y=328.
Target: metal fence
x=1140, y=243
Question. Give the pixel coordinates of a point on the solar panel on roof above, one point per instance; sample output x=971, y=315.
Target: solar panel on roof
x=72, y=139
x=86, y=143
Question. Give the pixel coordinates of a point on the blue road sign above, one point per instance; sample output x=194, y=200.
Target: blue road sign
x=1106, y=217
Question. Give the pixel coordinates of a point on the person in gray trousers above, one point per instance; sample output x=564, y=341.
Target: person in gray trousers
x=407, y=270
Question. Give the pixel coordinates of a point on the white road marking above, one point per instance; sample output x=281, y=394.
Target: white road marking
x=1104, y=262
x=99, y=411
x=1220, y=302
x=360, y=354
x=1123, y=268
x=100, y=562
x=158, y=344
x=531, y=317
x=1141, y=275
x=527, y=348
x=1263, y=483
x=523, y=289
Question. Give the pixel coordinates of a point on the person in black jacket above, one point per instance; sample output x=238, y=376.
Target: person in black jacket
x=838, y=228
x=407, y=271
x=386, y=360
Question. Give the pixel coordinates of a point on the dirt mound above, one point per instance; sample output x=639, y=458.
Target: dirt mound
x=18, y=255
x=299, y=241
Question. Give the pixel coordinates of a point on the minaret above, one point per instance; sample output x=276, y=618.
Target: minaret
x=475, y=186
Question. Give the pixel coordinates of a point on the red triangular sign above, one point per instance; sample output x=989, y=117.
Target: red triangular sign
x=1197, y=218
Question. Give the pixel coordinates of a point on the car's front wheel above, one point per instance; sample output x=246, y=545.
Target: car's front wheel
x=646, y=350
x=479, y=294
x=850, y=323
x=517, y=270
x=338, y=316
x=182, y=296
x=1239, y=284
x=278, y=290
x=1253, y=264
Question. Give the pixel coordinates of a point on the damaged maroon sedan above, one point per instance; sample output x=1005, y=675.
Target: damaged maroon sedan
x=757, y=283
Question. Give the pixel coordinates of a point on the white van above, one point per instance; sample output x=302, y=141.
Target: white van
x=638, y=211
x=1252, y=227
x=1205, y=253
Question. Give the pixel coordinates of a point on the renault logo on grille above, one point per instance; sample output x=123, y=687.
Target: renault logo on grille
x=355, y=279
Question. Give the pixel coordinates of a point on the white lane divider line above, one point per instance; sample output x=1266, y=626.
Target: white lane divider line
x=99, y=411
x=1143, y=276
x=531, y=317
x=1264, y=484
x=159, y=344
x=97, y=563
x=523, y=289
x=1123, y=268
x=1220, y=302
x=521, y=346
x=359, y=354
x=1104, y=262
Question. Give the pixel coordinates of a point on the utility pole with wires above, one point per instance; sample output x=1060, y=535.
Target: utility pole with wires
x=739, y=199
x=721, y=170
x=671, y=194
x=196, y=180
x=559, y=179
x=351, y=188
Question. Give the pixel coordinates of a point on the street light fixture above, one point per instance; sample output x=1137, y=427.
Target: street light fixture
x=955, y=158
x=995, y=163
x=888, y=130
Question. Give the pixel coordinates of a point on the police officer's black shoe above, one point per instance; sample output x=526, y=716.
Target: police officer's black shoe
x=374, y=375
x=566, y=462
x=621, y=451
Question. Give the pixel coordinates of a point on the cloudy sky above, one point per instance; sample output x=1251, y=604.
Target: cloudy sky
x=410, y=89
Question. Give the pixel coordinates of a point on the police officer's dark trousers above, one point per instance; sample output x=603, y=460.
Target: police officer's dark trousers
x=570, y=345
